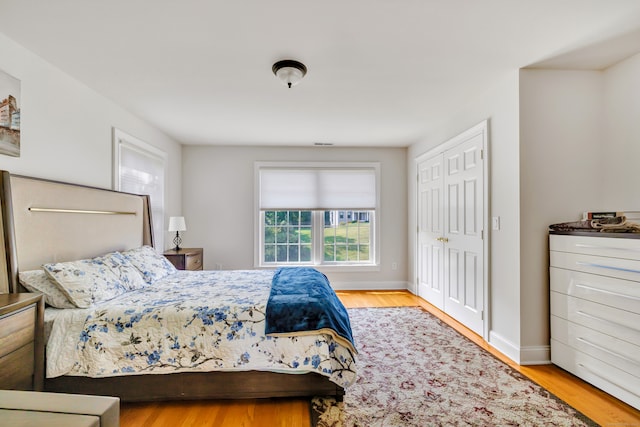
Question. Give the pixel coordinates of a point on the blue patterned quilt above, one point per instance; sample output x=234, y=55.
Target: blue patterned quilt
x=302, y=302
x=187, y=322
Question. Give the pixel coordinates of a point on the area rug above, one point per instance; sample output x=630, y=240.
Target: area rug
x=414, y=370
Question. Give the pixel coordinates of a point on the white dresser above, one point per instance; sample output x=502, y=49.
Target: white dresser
x=595, y=311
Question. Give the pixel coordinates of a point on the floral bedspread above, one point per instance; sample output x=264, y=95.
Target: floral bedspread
x=189, y=321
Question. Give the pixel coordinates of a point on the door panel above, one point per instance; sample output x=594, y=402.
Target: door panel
x=452, y=271
x=471, y=290
x=453, y=227
x=471, y=226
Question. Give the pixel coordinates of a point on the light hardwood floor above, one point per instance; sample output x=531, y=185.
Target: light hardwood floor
x=599, y=406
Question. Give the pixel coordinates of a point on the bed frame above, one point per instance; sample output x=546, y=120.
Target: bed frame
x=50, y=221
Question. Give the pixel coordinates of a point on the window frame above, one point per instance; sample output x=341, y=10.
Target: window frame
x=123, y=139
x=317, y=249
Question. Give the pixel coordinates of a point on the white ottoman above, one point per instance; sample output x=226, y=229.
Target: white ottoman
x=32, y=408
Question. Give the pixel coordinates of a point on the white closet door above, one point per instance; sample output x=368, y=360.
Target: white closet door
x=430, y=228
x=463, y=246
x=450, y=265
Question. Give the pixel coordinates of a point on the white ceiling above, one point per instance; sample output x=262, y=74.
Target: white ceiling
x=381, y=73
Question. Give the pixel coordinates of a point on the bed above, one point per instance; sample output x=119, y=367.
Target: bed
x=178, y=335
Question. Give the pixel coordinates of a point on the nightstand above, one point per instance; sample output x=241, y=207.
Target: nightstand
x=185, y=258
x=21, y=341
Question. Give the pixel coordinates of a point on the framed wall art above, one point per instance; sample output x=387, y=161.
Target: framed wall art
x=9, y=115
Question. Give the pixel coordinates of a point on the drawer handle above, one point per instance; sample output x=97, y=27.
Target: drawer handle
x=609, y=380
x=608, y=267
x=602, y=319
x=615, y=294
x=606, y=350
x=582, y=245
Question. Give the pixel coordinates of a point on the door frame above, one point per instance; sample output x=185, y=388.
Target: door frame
x=481, y=128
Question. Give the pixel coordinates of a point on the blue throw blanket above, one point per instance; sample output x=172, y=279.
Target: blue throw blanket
x=302, y=302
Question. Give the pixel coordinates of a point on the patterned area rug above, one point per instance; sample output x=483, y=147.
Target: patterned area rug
x=414, y=370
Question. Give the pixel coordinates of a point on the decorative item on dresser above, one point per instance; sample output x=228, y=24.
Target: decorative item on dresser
x=185, y=258
x=21, y=341
x=595, y=290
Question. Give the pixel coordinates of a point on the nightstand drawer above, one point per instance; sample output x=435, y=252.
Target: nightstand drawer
x=16, y=369
x=16, y=330
x=21, y=341
x=194, y=262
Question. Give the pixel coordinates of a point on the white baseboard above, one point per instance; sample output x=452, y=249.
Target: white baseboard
x=535, y=355
x=504, y=346
x=369, y=286
x=530, y=355
x=413, y=288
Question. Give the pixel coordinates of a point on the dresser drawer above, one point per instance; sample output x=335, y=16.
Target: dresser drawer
x=604, y=266
x=17, y=329
x=601, y=246
x=619, y=293
x=17, y=369
x=616, y=352
x=621, y=324
x=604, y=376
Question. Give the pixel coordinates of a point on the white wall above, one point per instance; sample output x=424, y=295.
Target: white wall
x=561, y=142
x=218, y=198
x=499, y=104
x=561, y=171
x=66, y=127
x=621, y=146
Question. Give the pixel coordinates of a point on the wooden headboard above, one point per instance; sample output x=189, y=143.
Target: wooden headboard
x=50, y=221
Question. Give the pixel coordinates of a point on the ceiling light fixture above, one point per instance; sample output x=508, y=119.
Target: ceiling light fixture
x=289, y=71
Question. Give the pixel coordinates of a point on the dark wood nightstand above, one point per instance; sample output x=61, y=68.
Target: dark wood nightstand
x=21, y=341
x=185, y=258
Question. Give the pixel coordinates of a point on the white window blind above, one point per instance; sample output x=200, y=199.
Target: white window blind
x=141, y=170
x=318, y=188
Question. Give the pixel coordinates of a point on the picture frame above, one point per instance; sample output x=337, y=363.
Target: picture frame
x=9, y=115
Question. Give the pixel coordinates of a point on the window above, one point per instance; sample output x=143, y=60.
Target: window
x=287, y=237
x=316, y=214
x=139, y=168
x=347, y=236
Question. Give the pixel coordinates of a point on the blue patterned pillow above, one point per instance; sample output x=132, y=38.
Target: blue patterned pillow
x=86, y=281
x=151, y=264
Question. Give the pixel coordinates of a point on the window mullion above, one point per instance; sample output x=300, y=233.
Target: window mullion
x=318, y=237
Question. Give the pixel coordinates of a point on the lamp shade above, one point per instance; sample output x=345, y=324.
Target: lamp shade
x=176, y=223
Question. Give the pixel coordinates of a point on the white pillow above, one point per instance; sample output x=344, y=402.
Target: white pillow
x=151, y=264
x=88, y=280
x=38, y=281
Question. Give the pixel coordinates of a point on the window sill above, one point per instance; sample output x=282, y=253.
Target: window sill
x=351, y=268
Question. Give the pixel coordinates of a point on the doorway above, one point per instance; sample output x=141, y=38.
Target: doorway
x=451, y=217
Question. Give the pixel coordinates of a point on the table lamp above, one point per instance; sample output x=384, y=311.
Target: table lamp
x=177, y=224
